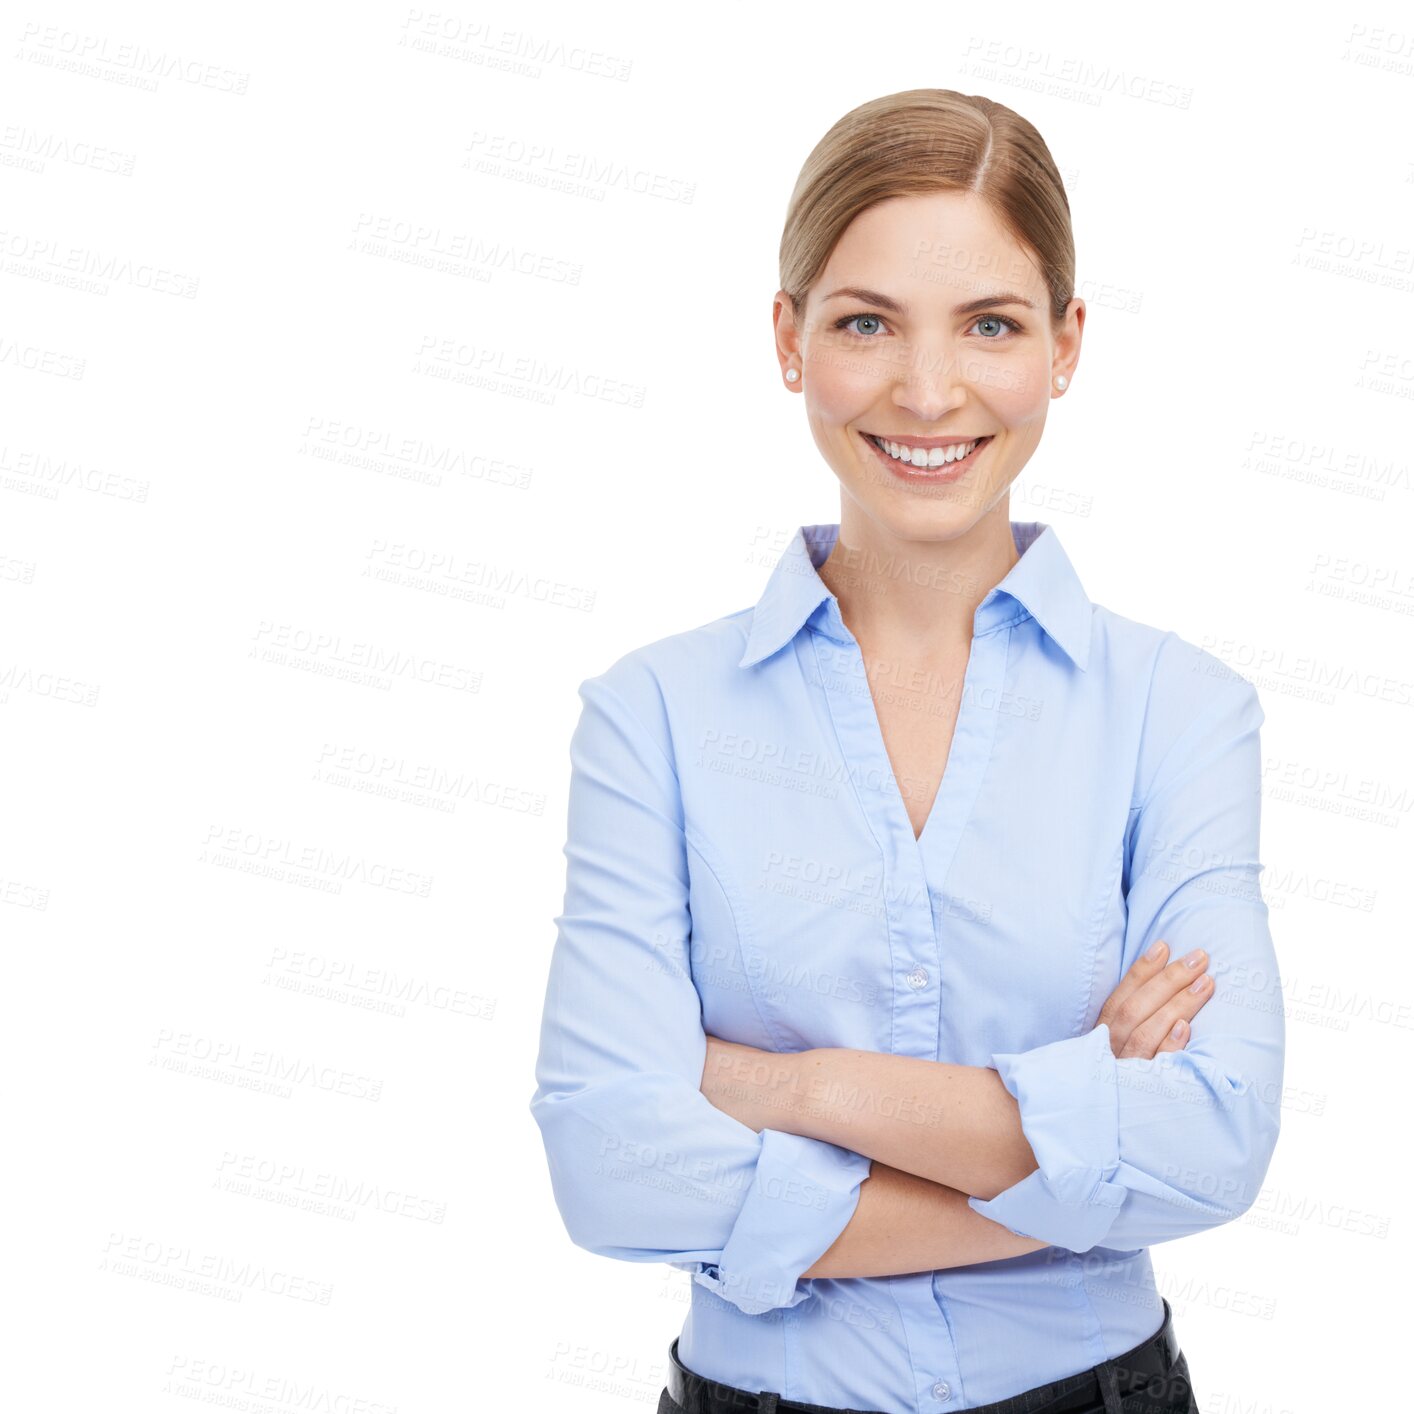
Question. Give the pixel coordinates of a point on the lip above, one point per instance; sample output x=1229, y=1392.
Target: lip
x=934, y=476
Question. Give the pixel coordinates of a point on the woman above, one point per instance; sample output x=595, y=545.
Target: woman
x=909, y=1066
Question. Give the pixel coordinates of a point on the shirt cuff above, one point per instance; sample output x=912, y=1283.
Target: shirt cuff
x=1068, y=1095
x=802, y=1196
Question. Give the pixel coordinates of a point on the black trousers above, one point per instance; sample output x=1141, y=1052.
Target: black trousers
x=1150, y=1379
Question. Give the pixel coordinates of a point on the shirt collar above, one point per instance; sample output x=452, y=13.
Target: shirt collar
x=1042, y=582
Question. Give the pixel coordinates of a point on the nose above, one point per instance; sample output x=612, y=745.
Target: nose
x=931, y=384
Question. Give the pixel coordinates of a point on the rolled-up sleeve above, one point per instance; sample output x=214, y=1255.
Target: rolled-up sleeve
x=1133, y=1152
x=643, y=1166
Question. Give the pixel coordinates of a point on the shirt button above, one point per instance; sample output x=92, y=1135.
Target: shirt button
x=942, y=1390
x=916, y=979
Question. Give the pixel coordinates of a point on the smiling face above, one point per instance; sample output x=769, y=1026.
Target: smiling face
x=927, y=357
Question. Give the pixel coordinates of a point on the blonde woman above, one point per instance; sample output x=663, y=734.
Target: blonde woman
x=914, y=978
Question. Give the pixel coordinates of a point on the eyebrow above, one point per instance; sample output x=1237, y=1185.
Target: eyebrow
x=894, y=307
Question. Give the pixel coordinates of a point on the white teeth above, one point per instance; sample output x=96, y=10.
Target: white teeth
x=917, y=456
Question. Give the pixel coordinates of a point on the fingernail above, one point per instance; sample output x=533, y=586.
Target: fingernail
x=1200, y=983
x=1194, y=958
x=1157, y=950
x=1177, y=1030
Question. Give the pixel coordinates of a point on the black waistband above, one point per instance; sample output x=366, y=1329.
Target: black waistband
x=1153, y=1357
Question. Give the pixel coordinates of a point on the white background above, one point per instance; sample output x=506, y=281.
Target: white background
x=333, y=461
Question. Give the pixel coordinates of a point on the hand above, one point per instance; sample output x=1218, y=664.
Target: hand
x=1151, y=998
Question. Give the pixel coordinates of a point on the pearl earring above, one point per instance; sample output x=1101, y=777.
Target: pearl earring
x=1062, y=381
x=792, y=375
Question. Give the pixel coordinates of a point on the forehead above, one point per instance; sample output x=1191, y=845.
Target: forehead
x=939, y=246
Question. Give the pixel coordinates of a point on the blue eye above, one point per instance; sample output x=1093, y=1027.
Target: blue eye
x=1001, y=319
x=850, y=318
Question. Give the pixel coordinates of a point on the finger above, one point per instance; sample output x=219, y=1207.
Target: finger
x=1156, y=1034
x=1182, y=1010
x=1176, y=1039
x=1161, y=989
x=1144, y=1003
x=1146, y=966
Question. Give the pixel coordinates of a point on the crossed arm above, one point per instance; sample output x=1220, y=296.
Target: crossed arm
x=937, y=1133
x=953, y=1124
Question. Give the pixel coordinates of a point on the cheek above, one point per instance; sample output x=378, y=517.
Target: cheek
x=1019, y=395
x=842, y=380
x=838, y=394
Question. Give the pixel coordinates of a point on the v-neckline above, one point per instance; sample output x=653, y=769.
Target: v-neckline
x=899, y=803
x=911, y=860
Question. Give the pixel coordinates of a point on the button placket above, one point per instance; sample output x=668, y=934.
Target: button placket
x=839, y=665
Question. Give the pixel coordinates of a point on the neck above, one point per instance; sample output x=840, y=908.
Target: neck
x=916, y=597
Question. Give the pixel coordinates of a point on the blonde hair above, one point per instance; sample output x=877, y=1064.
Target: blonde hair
x=926, y=140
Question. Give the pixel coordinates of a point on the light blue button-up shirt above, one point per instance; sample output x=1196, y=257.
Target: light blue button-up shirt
x=741, y=862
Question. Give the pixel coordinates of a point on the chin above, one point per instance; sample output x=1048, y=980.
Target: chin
x=912, y=516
